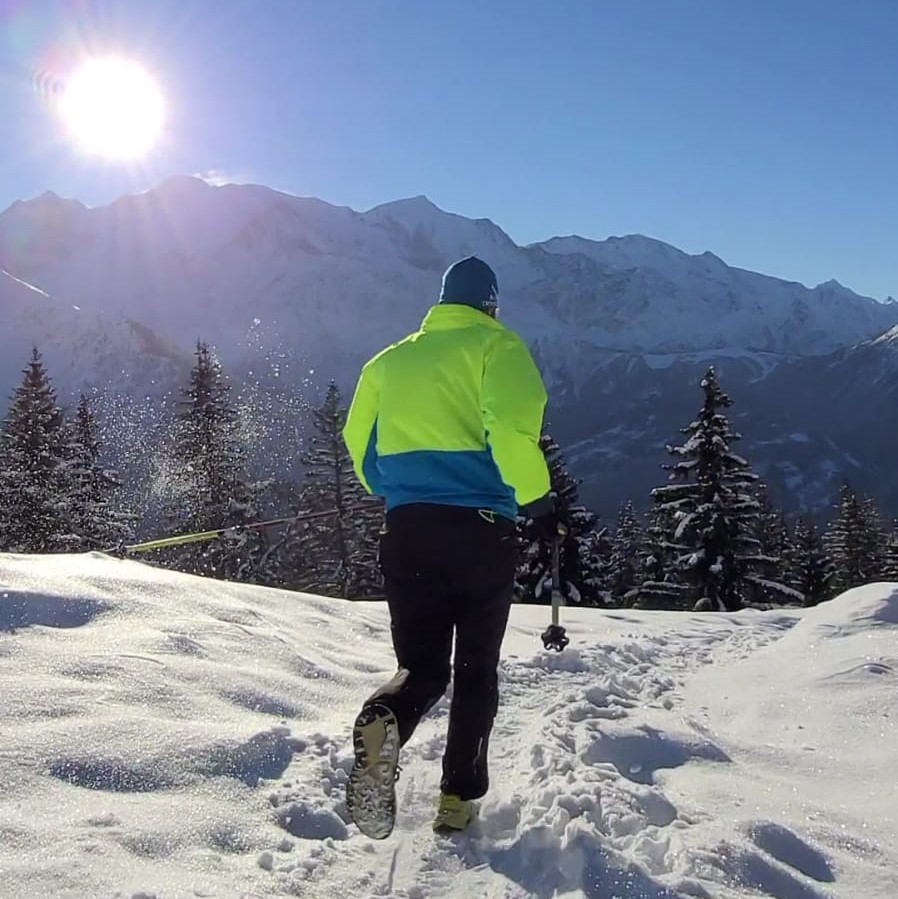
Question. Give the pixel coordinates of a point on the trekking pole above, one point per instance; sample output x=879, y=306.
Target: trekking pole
x=554, y=636
x=214, y=534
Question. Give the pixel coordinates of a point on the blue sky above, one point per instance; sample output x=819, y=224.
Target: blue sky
x=763, y=130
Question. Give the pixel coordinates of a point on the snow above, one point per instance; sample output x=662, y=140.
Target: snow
x=170, y=736
x=666, y=297
x=258, y=273
x=763, y=363
x=80, y=347
x=629, y=251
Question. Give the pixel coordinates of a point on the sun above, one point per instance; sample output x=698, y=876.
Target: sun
x=112, y=107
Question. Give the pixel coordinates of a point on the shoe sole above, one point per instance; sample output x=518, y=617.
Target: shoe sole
x=371, y=788
x=445, y=830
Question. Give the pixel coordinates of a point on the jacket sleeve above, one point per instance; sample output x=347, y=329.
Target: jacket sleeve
x=360, y=430
x=513, y=401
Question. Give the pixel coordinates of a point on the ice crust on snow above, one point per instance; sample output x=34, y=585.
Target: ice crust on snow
x=170, y=736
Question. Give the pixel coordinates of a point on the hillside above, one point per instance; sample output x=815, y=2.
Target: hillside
x=294, y=291
x=171, y=736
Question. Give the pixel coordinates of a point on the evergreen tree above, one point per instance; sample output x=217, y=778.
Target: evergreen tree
x=878, y=537
x=807, y=565
x=335, y=555
x=273, y=565
x=33, y=488
x=713, y=545
x=770, y=585
x=595, y=561
x=854, y=543
x=625, y=568
x=773, y=531
x=207, y=483
x=93, y=521
x=584, y=550
x=656, y=584
x=890, y=554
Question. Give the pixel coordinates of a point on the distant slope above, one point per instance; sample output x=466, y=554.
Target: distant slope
x=83, y=349
x=187, y=257
x=294, y=291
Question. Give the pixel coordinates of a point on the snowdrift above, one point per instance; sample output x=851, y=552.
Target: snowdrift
x=170, y=736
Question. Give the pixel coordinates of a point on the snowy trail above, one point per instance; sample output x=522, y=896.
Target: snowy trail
x=574, y=805
x=166, y=736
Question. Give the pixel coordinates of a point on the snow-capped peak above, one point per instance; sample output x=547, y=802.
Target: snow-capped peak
x=831, y=284
x=629, y=251
x=182, y=186
x=433, y=238
x=421, y=212
x=48, y=205
x=420, y=205
x=189, y=257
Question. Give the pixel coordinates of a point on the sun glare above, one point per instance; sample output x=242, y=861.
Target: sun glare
x=112, y=107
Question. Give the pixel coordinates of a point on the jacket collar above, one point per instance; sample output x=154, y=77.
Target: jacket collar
x=448, y=316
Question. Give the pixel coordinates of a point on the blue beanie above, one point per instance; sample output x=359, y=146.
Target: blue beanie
x=471, y=282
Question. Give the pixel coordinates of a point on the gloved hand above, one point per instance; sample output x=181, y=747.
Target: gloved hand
x=548, y=522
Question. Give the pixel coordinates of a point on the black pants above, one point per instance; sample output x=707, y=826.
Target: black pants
x=448, y=568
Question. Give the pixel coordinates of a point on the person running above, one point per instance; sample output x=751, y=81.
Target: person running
x=445, y=426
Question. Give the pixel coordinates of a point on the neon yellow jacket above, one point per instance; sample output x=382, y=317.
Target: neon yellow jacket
x=451, y=415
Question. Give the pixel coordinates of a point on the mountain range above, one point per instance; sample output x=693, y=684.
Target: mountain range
x=294, y=291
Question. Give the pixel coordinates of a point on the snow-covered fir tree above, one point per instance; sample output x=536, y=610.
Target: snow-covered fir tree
x=595, y=557
x=33, y=487
x=807, y=564
x=772, y=561
x=890, y=554
x=879, y=532
x=335, y=554
x=773, y=530
x=854, y=543
x=625, y=570
x=281, y=499
x=712, y=509
x=584, y=549
x=206, y=482
x=656, y=585
x=94, y=520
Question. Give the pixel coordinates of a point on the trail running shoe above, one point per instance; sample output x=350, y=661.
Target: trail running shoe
x=371, y=790
x=453, y=814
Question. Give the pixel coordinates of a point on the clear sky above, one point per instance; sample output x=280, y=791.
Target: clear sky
x=763, y=130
